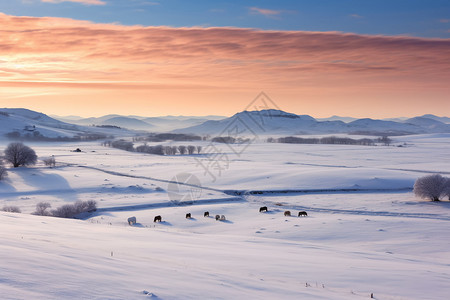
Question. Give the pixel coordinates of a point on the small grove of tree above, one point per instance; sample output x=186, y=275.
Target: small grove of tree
x=332, y=140
x=71, y=210
x=20, y=155
x=50, y=162
x=13, y=209
x=432, y=187
x=122, y=144
x=157, y=149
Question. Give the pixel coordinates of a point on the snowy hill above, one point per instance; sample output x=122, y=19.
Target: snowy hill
x=280, y=122
x=129, y=123
x=440, y=119
x=27, y=123
x=154, y=124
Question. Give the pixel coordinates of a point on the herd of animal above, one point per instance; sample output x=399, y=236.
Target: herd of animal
x=287, y=213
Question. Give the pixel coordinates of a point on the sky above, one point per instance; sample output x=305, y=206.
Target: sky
x=356, y=58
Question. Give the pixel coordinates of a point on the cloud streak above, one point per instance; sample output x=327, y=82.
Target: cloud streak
x=264, y=11
x=86, y=2
x=79, y=55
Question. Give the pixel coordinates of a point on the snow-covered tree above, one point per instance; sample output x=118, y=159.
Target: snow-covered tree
x=41, y=209
x=431, y=187
x=182, y=149
x=191, y=149
x=20, y=155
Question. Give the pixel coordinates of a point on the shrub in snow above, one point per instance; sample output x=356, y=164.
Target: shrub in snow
x=13, y=209
x=20, y=155
x=71, y=210
x=431, y=187
x=41, y=209
x=49, y=162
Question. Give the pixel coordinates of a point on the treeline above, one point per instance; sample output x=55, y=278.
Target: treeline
x=156, y=149
x=163, y=137
x=229, y=140
x=330, y=140
x=37, y=136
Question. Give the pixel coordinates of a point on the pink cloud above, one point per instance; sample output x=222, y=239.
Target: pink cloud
x=77, y=55
x=86, y=2
x=264, y=11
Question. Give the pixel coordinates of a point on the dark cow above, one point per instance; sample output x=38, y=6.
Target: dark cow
x=206, y=214
x=157, y=219
x=217, y=217
x=188, y=216
x=302, y=214
x=287, y=213
x=263, y=209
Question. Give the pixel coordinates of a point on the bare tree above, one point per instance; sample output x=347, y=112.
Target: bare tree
x=199, y=149
x=20, y=155
x=182, y=149
x=41, y=209
x=430, y=187
x=191, y=149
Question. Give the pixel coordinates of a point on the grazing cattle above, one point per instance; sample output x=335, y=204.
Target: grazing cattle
x=206, y=214
x=263, y=209
x=157, y=219
x=222, y=218
x=131, y=221
x=217, y=217
x=287, y=213
x=302, y=214
x=188, y=216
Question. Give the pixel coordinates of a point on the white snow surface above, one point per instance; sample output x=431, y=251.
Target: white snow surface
x=365, y=231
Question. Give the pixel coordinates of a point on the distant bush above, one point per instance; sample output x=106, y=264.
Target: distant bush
x=329, y=140
x=41, y=209
x=122, y=144
x=4, y=113
x=224, y=139
x=162, y=137
x=49, y=162
x=432, y=187
x=71, y=210
x=13, y=209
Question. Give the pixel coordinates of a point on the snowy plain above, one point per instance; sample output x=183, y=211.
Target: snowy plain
x=365, y=232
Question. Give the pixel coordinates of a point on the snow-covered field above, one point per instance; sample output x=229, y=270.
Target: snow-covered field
x=365, y=231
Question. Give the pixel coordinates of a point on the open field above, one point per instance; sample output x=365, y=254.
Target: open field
x=365, y=232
